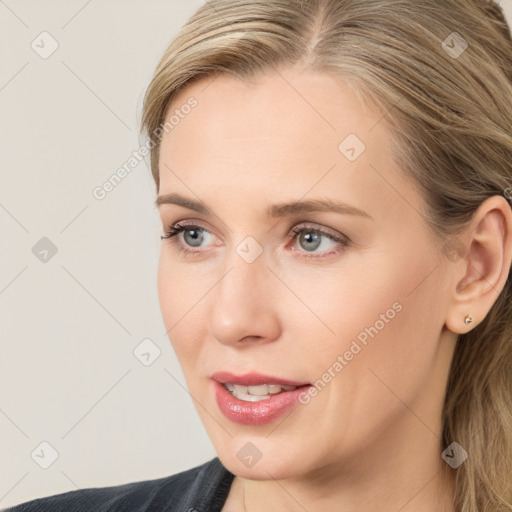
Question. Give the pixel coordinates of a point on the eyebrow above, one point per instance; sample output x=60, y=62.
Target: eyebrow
x=275, y=210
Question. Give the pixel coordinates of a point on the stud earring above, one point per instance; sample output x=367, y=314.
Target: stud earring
x=468, y=319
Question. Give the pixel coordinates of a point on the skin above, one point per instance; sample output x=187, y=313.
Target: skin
x=370, y=440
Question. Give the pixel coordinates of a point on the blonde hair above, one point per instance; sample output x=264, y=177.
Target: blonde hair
x=450, y=116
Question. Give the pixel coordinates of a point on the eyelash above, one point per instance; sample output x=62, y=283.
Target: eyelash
x=343, y=241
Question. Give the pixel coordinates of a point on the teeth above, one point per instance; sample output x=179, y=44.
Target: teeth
x=256, y=393
x=260, y=390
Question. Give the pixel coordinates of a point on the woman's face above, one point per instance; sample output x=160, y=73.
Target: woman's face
x=353, y=301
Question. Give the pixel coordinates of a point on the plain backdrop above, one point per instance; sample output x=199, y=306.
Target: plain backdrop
x=81, y=405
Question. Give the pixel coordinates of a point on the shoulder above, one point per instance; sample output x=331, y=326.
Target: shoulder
x=204, y=487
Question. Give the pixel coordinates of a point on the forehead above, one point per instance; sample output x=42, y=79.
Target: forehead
x=291, y=111
x=285, y=132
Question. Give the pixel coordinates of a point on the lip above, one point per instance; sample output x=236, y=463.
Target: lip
x=254, y=379
x=260, y=412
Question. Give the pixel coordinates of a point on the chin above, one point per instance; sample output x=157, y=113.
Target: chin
x=246, y=461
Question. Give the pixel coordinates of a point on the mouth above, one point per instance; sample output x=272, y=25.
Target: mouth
x=256, y=393
x=255, y=400
x=254, y=387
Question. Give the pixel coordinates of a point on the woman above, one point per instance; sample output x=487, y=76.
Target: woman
x=373, y=369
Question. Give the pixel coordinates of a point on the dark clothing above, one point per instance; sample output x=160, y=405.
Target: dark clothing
x=203, y=488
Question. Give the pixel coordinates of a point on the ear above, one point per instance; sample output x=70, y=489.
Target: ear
x=479, y=276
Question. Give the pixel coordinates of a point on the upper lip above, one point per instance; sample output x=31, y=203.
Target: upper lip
x=254, y=379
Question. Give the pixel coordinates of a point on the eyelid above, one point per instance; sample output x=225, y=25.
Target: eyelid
x=296, y=226
x=189, y=223
x=330, y=233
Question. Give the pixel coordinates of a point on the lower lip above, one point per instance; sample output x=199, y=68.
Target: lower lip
x=255, y=413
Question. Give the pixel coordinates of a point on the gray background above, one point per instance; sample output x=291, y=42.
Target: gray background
x=70, y=321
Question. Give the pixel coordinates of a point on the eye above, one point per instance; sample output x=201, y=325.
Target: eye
x=310, y=239
x=192, y=234
x=306, y=237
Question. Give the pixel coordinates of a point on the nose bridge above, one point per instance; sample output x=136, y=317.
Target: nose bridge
x=245, y=271
x=243, y=281
x=243, y=304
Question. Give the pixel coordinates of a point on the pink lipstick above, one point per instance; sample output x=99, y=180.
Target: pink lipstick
x=265, y=398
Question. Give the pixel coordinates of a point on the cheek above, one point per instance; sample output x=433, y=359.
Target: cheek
x=339, y=306
x=387, y=342
x=399, y=328
x=384, y=316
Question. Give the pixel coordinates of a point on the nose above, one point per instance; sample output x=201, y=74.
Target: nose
x=245, y=304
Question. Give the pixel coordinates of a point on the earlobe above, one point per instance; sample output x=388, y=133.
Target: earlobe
x=487, y=263
x=460, y=324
